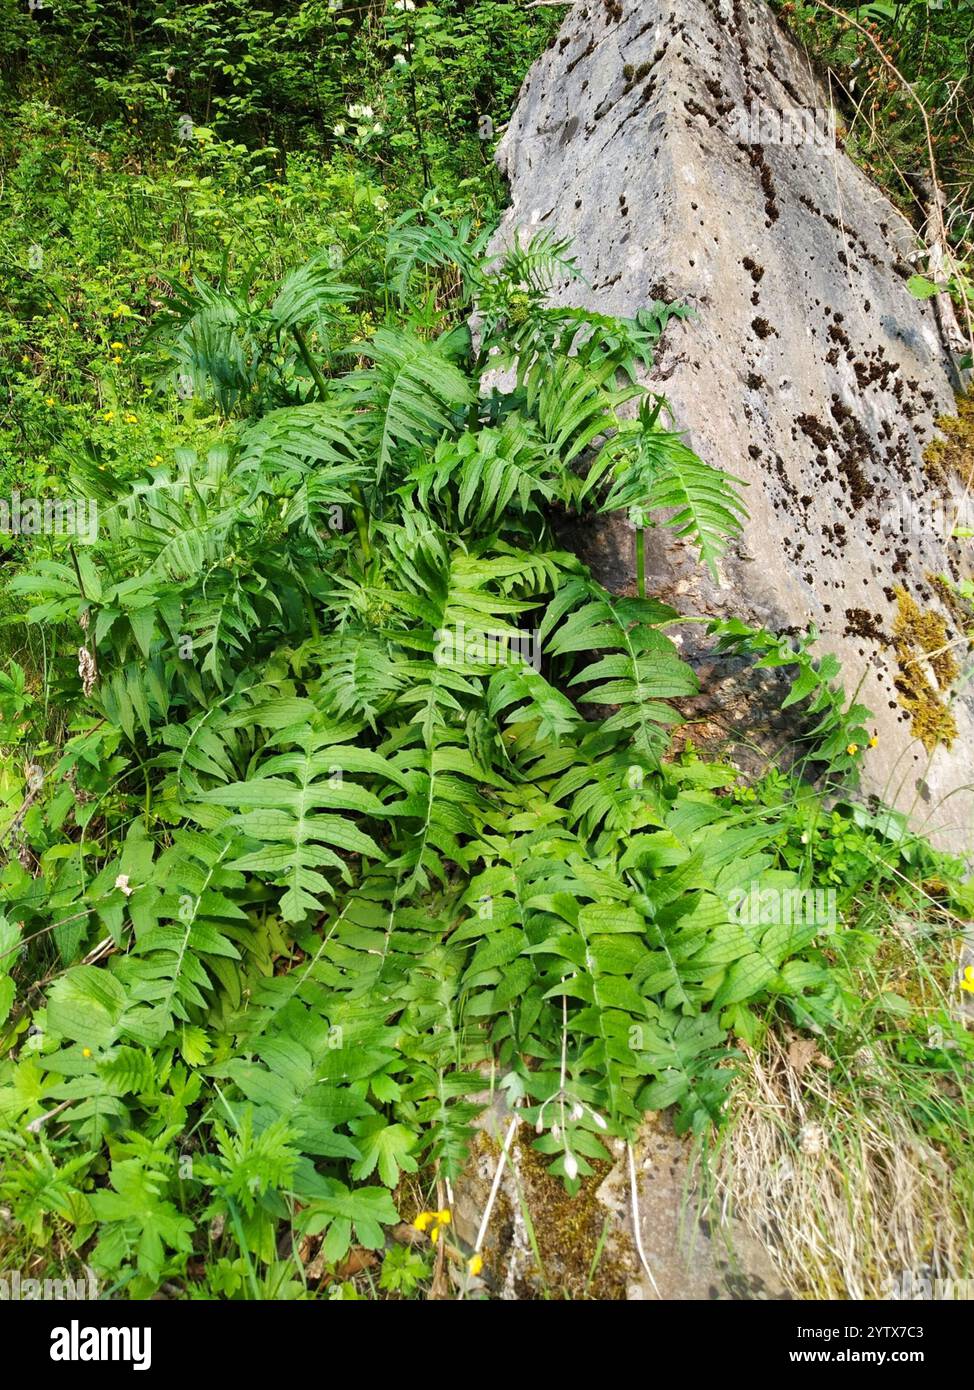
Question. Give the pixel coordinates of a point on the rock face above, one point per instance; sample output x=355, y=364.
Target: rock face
x=582, y=1246
x=685, y=146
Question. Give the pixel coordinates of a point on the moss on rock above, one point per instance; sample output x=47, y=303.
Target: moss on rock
x=922, y=643
x=953, y=455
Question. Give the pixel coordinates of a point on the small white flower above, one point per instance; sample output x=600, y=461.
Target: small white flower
x=598, y=1119
x=400, y=60
x=577, y=1110
x=122, y=882
x=571, y=1164
x=377, y=128
x=340, y=128
x=404, y=5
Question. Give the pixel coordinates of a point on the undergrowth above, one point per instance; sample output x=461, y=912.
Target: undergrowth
x=321, y=808
x=335, y=793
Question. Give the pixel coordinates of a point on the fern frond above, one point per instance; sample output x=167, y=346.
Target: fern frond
x=642, y=669
x=433, y=244
x=360, y=676
x=479, y=476
x=409, y=397
x=534, y=266
x=186, y=938
x=282, y=811
x=656, y=471
x=309, y=296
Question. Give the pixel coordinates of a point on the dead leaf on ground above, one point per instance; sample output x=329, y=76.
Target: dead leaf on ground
x=405, y=1234
x=803, y=1053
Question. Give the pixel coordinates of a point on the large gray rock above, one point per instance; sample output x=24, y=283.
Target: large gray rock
x=540, y=1242
x=809, y=370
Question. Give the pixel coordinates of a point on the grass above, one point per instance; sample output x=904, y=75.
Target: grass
x=853, y=1164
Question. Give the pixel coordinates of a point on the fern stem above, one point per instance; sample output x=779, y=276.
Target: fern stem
x=321, y=386
x=242, y=1243
x=360, y=513
x=641, y=561
x=309, y=608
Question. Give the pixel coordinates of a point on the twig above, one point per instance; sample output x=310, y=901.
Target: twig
x=37, y=1125
x=495, y=1185
x=636, y=1232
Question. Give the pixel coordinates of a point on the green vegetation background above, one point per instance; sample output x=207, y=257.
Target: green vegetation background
x=294, y=199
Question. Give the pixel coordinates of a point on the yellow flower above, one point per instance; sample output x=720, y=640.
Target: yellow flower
x=86, y=1052
x=157, y=458
x=874, y=740
x=26, y=361
x=852, y=750
x=131, y=419
x=49, y=400
x=475, y=1264
x=436, y=1219
x=116, y=347
x=116, y=360
x=108, y=415
x=967, y=981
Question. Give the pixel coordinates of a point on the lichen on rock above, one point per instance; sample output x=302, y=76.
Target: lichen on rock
x=952, y=454
x=922, y=643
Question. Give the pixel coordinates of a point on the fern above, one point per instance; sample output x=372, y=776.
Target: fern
x=187, y=938
x=360, y=676
x=336, y=844
x=432, y=243
x=282, y=810
x=642, y=670
x=656, y=471
x=479, y=476
x=409, y=397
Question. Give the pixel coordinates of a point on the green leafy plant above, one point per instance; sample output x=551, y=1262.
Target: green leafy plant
x=366, y=783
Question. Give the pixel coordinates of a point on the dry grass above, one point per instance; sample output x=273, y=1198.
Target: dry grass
x=837, y=1181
